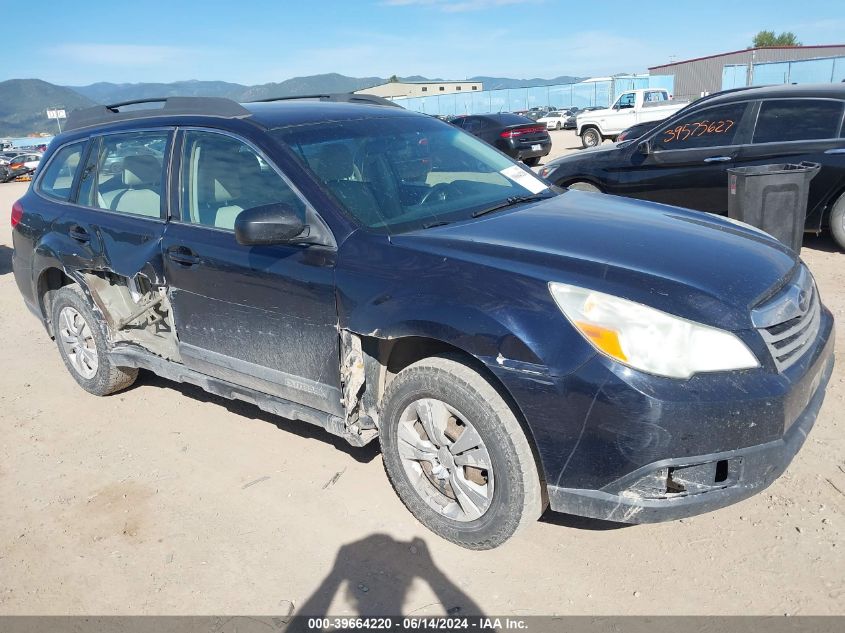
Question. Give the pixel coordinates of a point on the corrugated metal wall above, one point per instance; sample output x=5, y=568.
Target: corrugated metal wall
x=695, y=77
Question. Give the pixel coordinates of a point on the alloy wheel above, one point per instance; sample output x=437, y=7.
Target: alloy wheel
x=445, y=459
x=78, y=342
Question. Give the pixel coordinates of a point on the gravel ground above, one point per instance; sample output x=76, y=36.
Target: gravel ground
x=165, y=500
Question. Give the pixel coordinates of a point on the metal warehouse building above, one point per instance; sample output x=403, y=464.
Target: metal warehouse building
x=696, y=77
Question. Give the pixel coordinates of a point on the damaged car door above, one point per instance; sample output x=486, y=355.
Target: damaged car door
x=261, y=316
x=115, y=230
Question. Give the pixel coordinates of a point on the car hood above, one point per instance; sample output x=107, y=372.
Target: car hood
x=687, y=263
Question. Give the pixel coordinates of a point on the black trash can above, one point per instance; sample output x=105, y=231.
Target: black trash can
x=772, y=198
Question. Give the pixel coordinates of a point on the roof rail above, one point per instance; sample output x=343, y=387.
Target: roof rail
x=337, y=97
x=186, y=106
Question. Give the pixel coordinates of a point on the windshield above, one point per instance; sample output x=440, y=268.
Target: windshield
x=398, y=174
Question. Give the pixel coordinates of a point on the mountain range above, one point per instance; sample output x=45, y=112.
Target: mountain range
x=23, y=101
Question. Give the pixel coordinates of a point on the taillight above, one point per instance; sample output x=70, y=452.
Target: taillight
x=522, y=130
x=17, y=213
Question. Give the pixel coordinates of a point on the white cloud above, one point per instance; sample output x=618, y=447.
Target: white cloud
x=123, y=54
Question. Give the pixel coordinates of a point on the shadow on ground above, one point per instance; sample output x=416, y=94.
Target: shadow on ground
x=374, y=576
x=5, y=260
x=823, y=243
x=363, y=454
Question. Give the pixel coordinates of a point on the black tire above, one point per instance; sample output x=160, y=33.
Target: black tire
x=517, y=498
x=837, y=221
x=558, y=126
x=533, y=161
x=583, y=185
x=591, y=137
x=108, y=378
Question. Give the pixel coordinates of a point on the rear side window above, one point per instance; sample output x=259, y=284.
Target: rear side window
x=222, y=176
x=713, y=127
x=125, y=172
x=57, y=180
x=797, y=120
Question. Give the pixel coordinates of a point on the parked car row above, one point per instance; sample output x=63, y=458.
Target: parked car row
x=684, y=159
x=14, y=164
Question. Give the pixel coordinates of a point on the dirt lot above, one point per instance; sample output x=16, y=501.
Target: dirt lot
x=164, y=500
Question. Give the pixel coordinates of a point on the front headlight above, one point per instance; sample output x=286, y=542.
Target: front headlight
x=648, y=339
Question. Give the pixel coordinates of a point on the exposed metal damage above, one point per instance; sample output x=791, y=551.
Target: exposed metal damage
x=361, y=420
x=135, y=310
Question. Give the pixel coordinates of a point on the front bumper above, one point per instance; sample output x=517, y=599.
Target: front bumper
x=619, y=445
x=701, y=483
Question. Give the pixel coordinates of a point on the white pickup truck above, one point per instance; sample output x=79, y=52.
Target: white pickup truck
x=632, y=107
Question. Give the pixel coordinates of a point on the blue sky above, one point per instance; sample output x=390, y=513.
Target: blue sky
x=75, y=43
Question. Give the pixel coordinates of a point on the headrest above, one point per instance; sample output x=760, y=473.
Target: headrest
x=334, y=162
x=141, y=170
x=229, y=171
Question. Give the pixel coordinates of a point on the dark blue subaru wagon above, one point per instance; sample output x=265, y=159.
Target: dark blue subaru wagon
x=380, y=273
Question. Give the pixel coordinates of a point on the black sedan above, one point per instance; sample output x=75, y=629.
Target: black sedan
x=517, y=136
x=684, y=160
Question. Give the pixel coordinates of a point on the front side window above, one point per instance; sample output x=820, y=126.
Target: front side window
x=222, y=176
x=797, y=120
x=57, y=180
x=628, y=100
x=125, y=173
x=402, y=173
x=713, y=127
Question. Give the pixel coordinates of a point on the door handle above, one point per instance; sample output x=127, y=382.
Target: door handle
x=717, y=159
x=79, y=234
x=183, y=255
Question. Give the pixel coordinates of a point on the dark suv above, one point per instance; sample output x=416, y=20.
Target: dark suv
x=684, y=160
x=382, y=274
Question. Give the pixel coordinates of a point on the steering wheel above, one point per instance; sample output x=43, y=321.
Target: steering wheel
x=440, y=192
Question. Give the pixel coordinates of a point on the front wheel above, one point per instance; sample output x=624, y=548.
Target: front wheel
x=837, y=221
x=590, y=137
x=457, y=456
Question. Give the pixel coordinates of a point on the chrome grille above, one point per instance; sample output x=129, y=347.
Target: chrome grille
x=790, y=322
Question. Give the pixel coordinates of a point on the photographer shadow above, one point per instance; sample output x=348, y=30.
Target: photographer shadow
x=376, y=574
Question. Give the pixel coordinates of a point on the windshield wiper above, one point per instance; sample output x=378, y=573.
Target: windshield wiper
x=509, y=202
x=431, y=225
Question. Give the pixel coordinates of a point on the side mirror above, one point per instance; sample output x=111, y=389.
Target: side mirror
x=644, y=148
x=276, y=223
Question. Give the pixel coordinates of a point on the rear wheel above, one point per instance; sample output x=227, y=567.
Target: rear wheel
x=82, y=344
x=837, y=221
x=456, y=455
x=582, y=185
x=591, y=137
x=533, y=161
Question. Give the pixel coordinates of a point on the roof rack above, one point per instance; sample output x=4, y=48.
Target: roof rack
x=337, y=97
x=186, y=106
